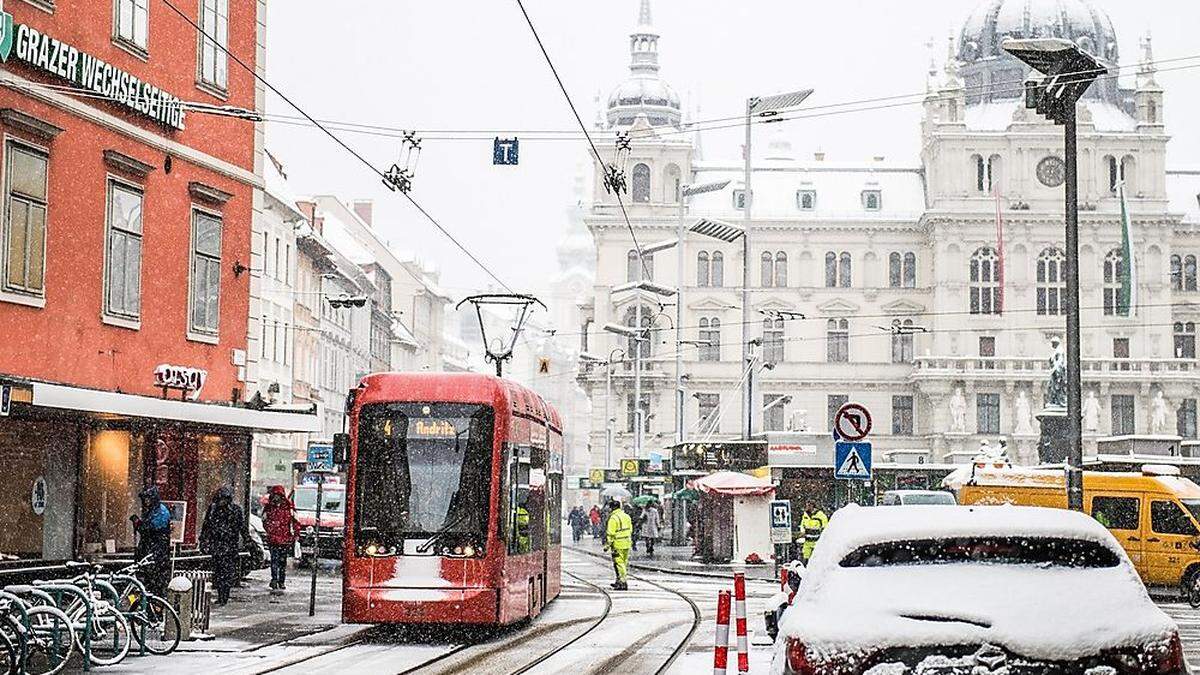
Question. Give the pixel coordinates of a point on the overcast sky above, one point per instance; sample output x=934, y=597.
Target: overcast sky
x=474, y=65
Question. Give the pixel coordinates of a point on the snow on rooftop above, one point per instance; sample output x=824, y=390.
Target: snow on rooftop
x=998, y=115
x=338, y=234
x=1183, y=192
x=277, y=186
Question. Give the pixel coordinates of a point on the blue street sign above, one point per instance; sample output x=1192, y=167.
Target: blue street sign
x=506, y=151
x=320, y=459
x=852, y=461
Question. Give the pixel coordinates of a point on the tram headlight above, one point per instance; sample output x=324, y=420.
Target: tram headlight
x=469, y=551
x=372, y=549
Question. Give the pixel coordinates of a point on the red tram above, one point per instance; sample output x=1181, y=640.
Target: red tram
x=454, y=501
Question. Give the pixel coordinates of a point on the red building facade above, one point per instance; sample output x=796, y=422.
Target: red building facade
x=126, y=252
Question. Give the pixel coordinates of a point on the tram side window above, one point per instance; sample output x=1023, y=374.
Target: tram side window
x=554, y=495
x=538, y=485
x=520, y=515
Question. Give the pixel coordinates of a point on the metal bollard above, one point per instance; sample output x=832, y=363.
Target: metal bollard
x=179, y=596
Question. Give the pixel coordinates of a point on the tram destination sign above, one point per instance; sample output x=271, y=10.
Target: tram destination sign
x=51, y=55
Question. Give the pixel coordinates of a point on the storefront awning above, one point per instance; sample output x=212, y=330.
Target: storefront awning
x=107, y=402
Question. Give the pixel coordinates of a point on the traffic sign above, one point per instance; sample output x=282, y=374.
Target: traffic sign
x=852, y=422
x=320, y=458
x=852, y=461
x=781, y=521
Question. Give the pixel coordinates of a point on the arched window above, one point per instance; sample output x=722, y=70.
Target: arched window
x=1185, y=340
x=895, y=270
x=844, y=270
x=1114, y=271
x=772, y=340
x=640, y=185
x=1129, y=174
x=673, y=183
x=994, y=168
x=703, y=269
x=717, y=276
x=1152, y=112
x=980, y=173
x=910, y=270
x=985, y=281
x=1051, y=280
x=831, y=270
x=1114, y=172
x=902, y=341
x=1176, y=273
x=837, y=341
x=781, y=270
x=1189, y=273
x=767, y=273
x=710, y=333
x=646, y=345
x=632, y=267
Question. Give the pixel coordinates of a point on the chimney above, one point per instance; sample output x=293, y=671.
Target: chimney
x=819, y=155
x=309, y=209
x=363, y=208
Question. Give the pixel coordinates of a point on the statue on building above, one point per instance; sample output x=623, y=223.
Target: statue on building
x=1024, y=422
x=1091, y=413
x=1158, y=414
x=1056, y=390
x=958, y=412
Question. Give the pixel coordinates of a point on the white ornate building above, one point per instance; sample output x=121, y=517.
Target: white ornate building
x=858, y=248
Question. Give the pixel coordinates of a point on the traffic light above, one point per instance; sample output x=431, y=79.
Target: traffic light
x=348, y=301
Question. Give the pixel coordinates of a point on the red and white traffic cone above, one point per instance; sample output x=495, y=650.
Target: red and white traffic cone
x=721, y=647
x=743, y=644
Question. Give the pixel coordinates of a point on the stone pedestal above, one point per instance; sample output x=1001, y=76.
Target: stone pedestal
x=1055, y=442
x=1025, y=450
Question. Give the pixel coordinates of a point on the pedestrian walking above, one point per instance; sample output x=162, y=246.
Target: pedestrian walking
x=594, y=519
x=651, y=519
x=221, y=538
x=282, y=530
x=578, y=521
x=635, y=515
x=617, y=541
x=813, y=522
x=153, y=528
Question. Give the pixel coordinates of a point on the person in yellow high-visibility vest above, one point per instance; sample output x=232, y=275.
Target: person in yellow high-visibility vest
x=812, y=522
x=618, y=541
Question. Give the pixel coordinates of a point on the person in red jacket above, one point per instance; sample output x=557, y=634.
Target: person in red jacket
x=282, y=530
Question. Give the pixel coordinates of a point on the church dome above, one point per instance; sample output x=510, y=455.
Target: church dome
x=644, y=92
x=990, y=73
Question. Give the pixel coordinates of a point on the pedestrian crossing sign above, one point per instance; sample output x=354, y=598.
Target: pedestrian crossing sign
x=852, y=461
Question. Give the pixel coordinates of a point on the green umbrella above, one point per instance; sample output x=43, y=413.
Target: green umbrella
x=686, y=495
x=642, y=500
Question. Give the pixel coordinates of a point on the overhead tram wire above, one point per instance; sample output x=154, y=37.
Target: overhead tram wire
x=340, y=142
x=596, y=153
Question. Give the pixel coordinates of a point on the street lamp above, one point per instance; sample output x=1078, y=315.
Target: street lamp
x=762, y=107
x=1069, y=72
x=608, y=421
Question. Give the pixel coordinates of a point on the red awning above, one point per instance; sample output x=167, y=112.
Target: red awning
x=731, y=483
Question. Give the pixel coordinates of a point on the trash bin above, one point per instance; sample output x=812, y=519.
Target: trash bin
x=179, y=596
x=201, y=602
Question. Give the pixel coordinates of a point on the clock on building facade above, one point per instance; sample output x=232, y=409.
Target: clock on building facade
x=1052, y=171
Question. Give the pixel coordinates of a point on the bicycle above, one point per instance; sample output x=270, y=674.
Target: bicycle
x=102, y=630
x=154, y=622
x=49, y=638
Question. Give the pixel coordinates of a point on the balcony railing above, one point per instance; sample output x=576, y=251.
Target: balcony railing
x=1005, y=366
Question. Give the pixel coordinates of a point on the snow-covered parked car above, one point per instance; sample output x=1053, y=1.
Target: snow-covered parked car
x=949, y=590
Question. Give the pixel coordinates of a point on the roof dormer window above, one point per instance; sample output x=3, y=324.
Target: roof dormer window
x=806, y=200
x=872, y=200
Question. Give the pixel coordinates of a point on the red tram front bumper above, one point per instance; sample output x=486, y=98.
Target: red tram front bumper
x=420, y=605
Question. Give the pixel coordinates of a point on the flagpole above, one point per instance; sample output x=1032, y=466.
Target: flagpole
x=1000, y=248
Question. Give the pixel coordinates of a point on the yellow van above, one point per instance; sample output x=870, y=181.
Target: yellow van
x=1155, y=515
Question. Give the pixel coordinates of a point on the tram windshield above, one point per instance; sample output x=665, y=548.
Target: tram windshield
x=423, y=469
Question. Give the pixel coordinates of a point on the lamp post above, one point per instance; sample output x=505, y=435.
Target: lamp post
x=639, y=337
x=1069, y=72
x=608, y=421
x=684, y=193
x=763, y=107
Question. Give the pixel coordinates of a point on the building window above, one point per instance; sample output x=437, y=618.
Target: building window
x=640, y=185
x=1129, y=174
x=709, y=403
x=987, y=413
x=1121, y=352
x=837, y=341
x=902, y=341
x=1051, y=283
x=773, y=412
x=123, y=256
x=902, y=270
x=987, y=352
x=767, y=269
x=703, y=269
x=130, y=23
x=1185, y=418
x=1122, y=415
x=25, y=230
x=674, y=182
x=1189, y=273
x=844, y=270
x=206, y=273
x=634, y=344
x=781, y=270
x=993, y=178
x=1185, y=340
x=981, y=178
x=1176, y=273
x=630, y=422
x=985, y=281
x=831, y=270
x=833, y=403
x=902, y=416
x=638, y=272
x=1114, y=271
x=772, y=340
x=837, y=270
x=717, y=276
x=214, y=39
x=710, y=337
x=1114, y=173
x=806, y=200
x=910, y=270
x=872, y=200
x=739, y=199
x=895, y=272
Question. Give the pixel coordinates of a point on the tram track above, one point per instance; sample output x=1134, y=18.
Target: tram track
x=599, y=620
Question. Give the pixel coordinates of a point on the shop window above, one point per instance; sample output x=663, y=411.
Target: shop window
x=40, y=475
x=131, y=24
x=214, y=40
x=123, y=256
x=1168, y=518
x=25, y=228
x=206, y=273
x=1116, y=513
x=112, y=477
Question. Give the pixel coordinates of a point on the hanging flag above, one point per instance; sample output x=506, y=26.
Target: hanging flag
x=1127, y=300
x=999, y=253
